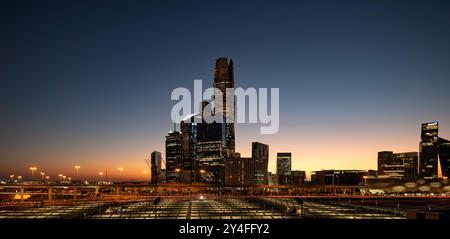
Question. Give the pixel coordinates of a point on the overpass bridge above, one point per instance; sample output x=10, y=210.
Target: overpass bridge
x=135, y=191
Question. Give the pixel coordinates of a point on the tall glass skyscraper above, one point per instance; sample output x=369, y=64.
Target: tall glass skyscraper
x=223, y=79
x=260, y=155
x=216, y=141
x=188, y=128
x=173, y=156
x=156, y=167
x=434, y=152
x=284, y=162
x=428, y=150
x=444, y=156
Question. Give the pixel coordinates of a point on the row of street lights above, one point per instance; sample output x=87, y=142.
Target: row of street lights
x=61, y=176
x=77, y=168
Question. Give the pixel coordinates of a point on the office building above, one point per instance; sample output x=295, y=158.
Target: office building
x=260, y=155
x=284, y=162
x=156, y=160
x=223, y=79
x=428, y=150
x=444, y=156
x=397, y=165
x=240, y=171
x=338, y=177
x=434, y=153
x=173, y=156
x=188, y=128
x=297, y=178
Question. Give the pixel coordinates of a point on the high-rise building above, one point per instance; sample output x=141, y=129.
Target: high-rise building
x=173, y=156
x=284, y=162
x=397, y=165
x=216, y=141
x=240, y=171
x=223, y=79
x=297, y=178
x=156, y=167
x=410, y=162
x=384, y=158
x=188, y=128
x=428, y=150
x=444, y=156
x=338, y=177
x=210, y=153
x=260, y=154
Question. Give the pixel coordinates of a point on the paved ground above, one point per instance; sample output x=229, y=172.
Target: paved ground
x=268, y=208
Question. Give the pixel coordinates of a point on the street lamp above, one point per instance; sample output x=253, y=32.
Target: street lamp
x=177, y=170
x=77, y=168
x=32, y=171
x=42, y=176
x=202, y=174
x=120, y=170
x=60, y=176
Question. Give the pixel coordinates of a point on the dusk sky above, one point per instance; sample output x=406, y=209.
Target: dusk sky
x=88, y=82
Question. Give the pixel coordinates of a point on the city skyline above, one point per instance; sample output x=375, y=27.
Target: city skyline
x=340, y=103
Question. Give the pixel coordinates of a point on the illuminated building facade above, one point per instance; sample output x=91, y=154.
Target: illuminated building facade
x=216, y=141
x=410, y=162
x=434, y=153
x=188, y=128
x=240, y=171
x=284, y=164
x=260, y=155
x=398, y=165
x=297, y=178
x=428, y=150
x=173, y=156
x=444, y=156
x=223, y=79
x=210, y=152
x=338, y=177
x=156, y=160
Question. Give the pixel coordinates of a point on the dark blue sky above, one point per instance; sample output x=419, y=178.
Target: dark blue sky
x=85, y=81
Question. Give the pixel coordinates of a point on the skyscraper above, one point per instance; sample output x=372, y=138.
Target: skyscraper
x=397, y=165
x=260, y=154
x=434, y=152
x=444, y=156
x=209, y=151
x=410, y=162
x=188, y=128
x=223, y=79
x=384, y=158
x=240, y=171
x=173, y=156
x=428, y=150
x=297, y=178
x=156, y=167
x=216, y=141
x=284, y=162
